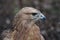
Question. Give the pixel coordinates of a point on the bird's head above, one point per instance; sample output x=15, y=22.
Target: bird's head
x=30, y=13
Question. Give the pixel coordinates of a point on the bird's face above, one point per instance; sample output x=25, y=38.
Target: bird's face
x=33, y=14
x=38, y=16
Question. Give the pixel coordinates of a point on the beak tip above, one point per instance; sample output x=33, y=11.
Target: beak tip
x=43, y=19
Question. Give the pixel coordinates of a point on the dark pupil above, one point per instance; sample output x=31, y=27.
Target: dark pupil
x=34, y=14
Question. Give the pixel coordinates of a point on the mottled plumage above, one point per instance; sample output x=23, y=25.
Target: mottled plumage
x=24, y=24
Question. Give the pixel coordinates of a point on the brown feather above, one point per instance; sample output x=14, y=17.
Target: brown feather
x=24, y=28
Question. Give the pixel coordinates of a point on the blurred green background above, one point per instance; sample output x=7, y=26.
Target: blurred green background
x=50, y=8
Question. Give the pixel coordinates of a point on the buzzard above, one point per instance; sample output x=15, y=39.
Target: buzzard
x=24, y=24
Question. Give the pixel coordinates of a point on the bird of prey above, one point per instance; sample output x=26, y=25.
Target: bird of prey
x=24, y=24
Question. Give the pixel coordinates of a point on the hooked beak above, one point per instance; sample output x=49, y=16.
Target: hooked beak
x=43, y=19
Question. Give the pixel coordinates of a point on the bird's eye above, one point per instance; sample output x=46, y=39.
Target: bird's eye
x=34, y=14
